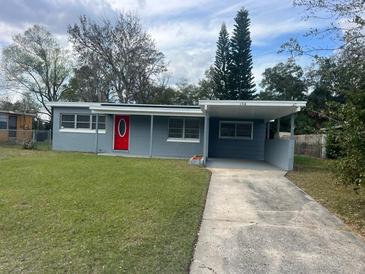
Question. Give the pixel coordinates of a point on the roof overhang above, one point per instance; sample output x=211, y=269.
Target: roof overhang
x=148, y=110
x=17, y=113
x=134, y=109
x=72, y=104
x=266, y=110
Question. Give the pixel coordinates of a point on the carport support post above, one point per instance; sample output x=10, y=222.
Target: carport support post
x=292, y=126
x=277, y=128
x=151, y=136
x=97, y=132
x=206, y=136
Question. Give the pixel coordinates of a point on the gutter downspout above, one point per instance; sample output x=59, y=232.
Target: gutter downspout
x=151, y=136
x=97, y=133
x=277, y=134
x=206, y=134
x=291, y=149
x=268, y=130
x=292, y=126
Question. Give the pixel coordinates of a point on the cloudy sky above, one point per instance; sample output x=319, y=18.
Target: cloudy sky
x=184, y=30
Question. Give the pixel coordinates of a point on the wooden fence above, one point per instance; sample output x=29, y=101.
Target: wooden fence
x=309, y=144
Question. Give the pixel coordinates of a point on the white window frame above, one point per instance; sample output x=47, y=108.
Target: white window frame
x=83, y=122
x=236, y=137
x=183, y=139
x=80, y=130
x=91, y=122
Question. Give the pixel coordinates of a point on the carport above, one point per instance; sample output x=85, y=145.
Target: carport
x=240, y=130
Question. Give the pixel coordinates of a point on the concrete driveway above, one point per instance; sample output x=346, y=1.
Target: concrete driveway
x=257, y=221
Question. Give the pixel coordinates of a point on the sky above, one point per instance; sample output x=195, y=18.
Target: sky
x=186, y=31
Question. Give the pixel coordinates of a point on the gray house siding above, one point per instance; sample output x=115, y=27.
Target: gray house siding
x=139, y=141
x=230, y=148
x=280, y=153
x=77, y=141
x=139, y=138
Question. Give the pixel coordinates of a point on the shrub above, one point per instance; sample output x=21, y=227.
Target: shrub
x=29, y=144
x=333, y=146
x=351, y=140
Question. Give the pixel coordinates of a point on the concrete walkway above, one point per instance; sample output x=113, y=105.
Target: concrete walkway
x=257, y=221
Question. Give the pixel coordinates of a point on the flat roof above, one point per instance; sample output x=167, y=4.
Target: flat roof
x=239, y=109
x=135, y=109
x=149, y=110
x=253, y=109
x=71, y=104
x=16, y=112
x=251, y=103
x=150, y=105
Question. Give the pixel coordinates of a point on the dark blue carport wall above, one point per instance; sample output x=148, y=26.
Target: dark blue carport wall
x=277, y=152
x=237, y=148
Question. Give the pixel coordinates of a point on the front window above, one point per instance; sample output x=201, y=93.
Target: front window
x=3, y=121
x=101, y=122
x=68, y=121
x=184, y=129
x=235, y=130
x=176, y=128
x=191, y=129
x=82, y=121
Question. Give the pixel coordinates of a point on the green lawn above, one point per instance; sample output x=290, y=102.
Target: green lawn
x=79, y=213
x=316, y=177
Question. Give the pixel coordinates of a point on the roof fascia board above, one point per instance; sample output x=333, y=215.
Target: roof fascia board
x=253, y=103
x=148, y=111
x=71, y=104
x=17, y=113
x=185, y=114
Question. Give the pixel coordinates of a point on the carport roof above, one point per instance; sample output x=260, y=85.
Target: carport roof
x=266, y=110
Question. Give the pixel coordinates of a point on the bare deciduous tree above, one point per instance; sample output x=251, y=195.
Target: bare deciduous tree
x=36, y=63
x=89, y=84
x=127, y=55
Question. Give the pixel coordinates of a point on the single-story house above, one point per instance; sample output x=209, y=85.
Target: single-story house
x=15, y=126
x=213, y=129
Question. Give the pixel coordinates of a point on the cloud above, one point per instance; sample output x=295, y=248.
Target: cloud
x=7, y=31
x=151, y=8
x=186, y=31
x=183, y=34
x=176, y=38
x=188, y=64
x=264, y=32
x=255, y=8
x=55, y=14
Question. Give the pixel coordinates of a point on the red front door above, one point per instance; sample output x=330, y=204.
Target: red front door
x=121, y=132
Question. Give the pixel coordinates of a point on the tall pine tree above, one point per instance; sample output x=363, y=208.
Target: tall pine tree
x=241, y=86
x=222, y=59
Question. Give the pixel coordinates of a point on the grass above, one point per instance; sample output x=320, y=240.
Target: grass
x=79, y=213
x=316, y=177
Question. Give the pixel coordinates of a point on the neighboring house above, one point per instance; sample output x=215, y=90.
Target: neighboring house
x=15, y=126
x=220, y=129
